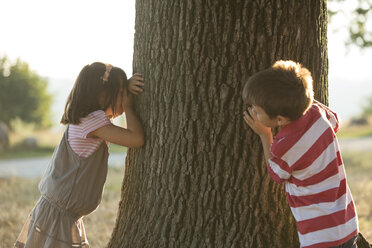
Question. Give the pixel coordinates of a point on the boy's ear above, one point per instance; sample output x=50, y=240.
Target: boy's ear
x=282, y=120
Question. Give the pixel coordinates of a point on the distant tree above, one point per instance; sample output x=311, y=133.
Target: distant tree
x=23, y=94
x=360, y=32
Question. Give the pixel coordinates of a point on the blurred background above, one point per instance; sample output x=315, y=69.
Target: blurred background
x=44, y=45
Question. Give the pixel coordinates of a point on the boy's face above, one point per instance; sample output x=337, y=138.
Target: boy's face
x=264, y=118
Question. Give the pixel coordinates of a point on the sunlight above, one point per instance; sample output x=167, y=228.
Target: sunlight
x=58, y=38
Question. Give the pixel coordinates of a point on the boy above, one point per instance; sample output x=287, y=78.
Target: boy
x=304, y=154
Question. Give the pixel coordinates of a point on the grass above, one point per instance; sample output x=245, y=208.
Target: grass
x=47, y=139
x=13, y=152
x=18, y=196
x=355, y=131
x=359, y=174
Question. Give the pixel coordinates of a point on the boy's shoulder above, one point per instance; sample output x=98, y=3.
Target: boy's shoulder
x=282, y=145
x=301, y=135
x=297, y=134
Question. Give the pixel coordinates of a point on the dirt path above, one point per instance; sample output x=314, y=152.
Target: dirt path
x=35, y=167
x=356, y=144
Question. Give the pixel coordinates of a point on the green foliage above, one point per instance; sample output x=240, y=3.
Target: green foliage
x=23, y=94
x=360, y=32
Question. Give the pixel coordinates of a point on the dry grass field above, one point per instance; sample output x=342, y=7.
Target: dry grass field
x=359, y=175
x=18, y=196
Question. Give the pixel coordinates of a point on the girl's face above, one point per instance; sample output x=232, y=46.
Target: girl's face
x=118, y=107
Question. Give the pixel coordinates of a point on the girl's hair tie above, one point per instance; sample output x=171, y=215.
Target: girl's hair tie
x=107, y=73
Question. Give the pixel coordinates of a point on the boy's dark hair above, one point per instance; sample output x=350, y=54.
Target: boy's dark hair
x=286, y=89
x=89, y=87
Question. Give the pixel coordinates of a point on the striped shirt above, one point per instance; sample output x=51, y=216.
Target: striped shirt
x=77, y=134
x=306, y=156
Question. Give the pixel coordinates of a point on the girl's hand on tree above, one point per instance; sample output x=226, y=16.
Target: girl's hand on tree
x=252, y=121
x=135, y=84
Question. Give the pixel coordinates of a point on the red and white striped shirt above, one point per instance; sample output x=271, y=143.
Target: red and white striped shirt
x=77, y=134
x=306, y=156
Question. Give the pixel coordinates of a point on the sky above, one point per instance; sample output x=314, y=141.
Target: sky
x=57, y=38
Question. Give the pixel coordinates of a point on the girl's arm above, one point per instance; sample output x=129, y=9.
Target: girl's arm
x=132, y=136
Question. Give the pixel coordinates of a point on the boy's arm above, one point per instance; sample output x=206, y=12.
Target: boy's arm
x=266, y=140
x=278, y=169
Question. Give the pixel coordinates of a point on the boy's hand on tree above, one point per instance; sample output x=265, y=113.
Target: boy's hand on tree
x=135, y=84
x=255, y=124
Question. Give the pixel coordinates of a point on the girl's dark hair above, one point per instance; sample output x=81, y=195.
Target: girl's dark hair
x=89, y=87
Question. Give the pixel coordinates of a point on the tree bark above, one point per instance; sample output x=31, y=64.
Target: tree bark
x=362, y=242
x=201, y=180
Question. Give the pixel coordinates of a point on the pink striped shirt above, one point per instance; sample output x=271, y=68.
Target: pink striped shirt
x=77, y=134
x=306, y=156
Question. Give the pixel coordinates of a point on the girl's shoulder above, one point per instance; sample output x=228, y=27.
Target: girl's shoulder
x=98, y=114
x=95, y=117
x=91, y=122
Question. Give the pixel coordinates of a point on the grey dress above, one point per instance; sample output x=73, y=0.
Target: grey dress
x=71, y=187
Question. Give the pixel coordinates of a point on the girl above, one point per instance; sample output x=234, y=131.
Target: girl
x=73, y=183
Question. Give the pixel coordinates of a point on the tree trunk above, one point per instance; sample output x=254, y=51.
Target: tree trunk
x=362, y=242
x=201, y=180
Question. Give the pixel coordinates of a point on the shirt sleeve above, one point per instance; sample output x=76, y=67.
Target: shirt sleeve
x=93, y=121
x=331, y=116
x=278, y=169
